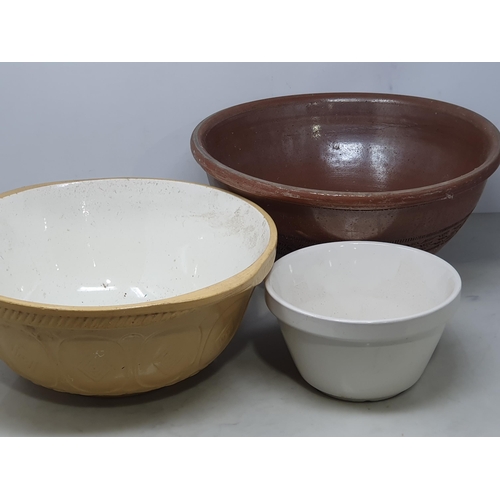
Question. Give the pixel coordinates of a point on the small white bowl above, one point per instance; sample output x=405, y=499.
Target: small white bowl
x=361, y=319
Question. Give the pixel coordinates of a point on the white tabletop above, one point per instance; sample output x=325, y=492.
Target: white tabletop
x=254, y=389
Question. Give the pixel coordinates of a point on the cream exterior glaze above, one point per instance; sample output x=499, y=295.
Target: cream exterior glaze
x=362, y=319
x=117, y=286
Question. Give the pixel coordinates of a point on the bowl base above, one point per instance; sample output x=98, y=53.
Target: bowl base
x=363, y=400
x=375, y=400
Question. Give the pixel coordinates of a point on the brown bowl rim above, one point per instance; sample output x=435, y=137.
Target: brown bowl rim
x=247, y=184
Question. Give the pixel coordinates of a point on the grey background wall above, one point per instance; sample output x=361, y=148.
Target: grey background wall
x=73, y=121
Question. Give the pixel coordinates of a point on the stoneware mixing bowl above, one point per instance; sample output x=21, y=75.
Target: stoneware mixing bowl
x=332, y=167
x=362, y=319
x=119, y=286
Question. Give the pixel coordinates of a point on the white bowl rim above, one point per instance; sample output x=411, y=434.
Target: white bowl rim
x=249, y=277
x=331, y=319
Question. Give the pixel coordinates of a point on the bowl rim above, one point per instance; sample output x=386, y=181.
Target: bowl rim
x=249, y=277
x=355, y=200
x=331, y=319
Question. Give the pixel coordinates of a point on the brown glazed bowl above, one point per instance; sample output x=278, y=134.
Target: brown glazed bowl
x=352, y=166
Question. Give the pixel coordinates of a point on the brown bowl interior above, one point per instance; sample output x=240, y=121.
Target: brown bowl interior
x=350, y=145
x=333, y=167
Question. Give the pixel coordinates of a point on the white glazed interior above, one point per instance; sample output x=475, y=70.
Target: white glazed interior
x=363, y=282
x=114, y=242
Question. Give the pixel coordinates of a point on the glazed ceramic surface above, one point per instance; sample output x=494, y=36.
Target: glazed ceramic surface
x=117, y=286
x=330, y=167
x=362, y=319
